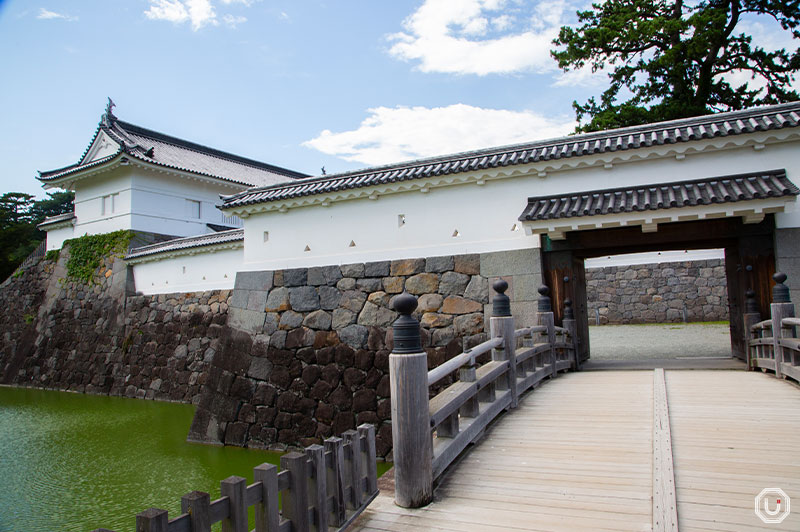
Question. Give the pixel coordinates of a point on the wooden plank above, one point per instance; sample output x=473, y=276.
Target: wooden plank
x=665, y=506
x=336, y=481
x=319, y=489
x=445, y=450
x=352, y=438
x=367, y=432
x=450, y=400
x=196, y=504
x=219, y=509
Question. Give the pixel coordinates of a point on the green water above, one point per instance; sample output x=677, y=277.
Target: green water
x=78, y=462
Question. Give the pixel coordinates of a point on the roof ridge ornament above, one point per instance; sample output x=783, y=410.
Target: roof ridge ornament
x=108, y=117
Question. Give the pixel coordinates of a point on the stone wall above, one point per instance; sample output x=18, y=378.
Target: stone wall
x=306, y=353
x=95, y=338
x=658, y=293
x=285, y=359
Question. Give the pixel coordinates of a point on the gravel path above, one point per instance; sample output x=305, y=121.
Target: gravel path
x=670, y=340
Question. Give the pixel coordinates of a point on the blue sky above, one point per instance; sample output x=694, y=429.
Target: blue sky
x=301, y=84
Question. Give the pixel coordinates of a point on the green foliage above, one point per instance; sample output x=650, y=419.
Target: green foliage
x=86, y=252
x=674, y=59
x=18, y=273
x=29, y=318
x=52, y=255
x=19, y=215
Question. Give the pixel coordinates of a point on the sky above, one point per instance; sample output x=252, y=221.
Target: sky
x=300, y=84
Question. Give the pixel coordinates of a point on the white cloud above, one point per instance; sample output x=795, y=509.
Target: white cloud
x=246, y=3
x=232, y=21
x=199, y=12
x=401, y=133
x=480, y=36
x=46, y=14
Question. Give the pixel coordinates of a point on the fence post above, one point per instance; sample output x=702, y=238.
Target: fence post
x=196, y=504
x=295, y=498
x=411, y=424
x=547, y=319
x=234, y=488
x=319, y=491
x=751, y=317
x=152, y=520
x=501, y=324
x=780, y=308
x=367, y=433
x=336, y=481
x=571, y=325
x=267, y=511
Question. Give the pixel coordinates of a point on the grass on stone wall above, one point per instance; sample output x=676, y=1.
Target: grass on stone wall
x=52, y=255
x=86, y=252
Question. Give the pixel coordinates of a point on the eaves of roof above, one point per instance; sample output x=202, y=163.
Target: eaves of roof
x=728, y=189
x=50, y=221
x=672, y=132
x=186, y=244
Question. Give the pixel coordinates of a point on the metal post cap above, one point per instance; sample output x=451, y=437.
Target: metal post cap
x=568, y=313
x=780, y=292
x=406, y=329
x=544, y=302
x=501, y=304
x=750, y=305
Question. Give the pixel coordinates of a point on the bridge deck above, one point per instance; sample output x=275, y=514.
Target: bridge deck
x=578, y=455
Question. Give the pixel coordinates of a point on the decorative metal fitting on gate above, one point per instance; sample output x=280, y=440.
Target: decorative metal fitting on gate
x=406, y=328
x=544, y=302
x=501, y=304
x=780, y=292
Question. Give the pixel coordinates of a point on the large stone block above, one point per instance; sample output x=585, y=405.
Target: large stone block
x=352, y=270
x=407, y=266
x=253, y=281
x=459, y=305
x=377, y=269
x=277, y=300
x=303, y=298
x=525, y=287
x=324, y=275
x=439, y=264
x=423, y=283
x=257, y=300
x=514, y=262
x=452, y=283
x=787, y=243
x=295, y=277
x=246, y=320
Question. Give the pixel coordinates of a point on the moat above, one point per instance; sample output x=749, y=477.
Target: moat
x=74, y=462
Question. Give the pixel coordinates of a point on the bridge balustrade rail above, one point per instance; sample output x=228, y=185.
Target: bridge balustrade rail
x=773, y=344
x=429, y=433
x=324, y=488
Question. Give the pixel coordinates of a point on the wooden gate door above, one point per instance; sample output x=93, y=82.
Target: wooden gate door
x=564, y=273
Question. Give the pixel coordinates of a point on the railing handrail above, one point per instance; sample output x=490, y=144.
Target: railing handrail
x=761, y=325
x=466, y=358
x=788, y=323
x=525, y=331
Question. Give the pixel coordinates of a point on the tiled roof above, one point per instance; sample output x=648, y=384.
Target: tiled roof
x=209, y=239
x=672, y=132
x=51, y=220
x=174, y=153
x=667, y=196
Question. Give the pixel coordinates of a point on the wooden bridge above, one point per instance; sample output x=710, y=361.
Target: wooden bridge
x=635, y=450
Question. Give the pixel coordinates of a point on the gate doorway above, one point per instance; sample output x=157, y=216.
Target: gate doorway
x=749, y=264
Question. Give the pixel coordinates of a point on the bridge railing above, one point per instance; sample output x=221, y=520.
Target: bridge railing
x=324, y=488
x=429, y=433
x=773, y=343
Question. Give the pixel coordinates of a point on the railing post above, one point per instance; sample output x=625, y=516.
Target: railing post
x=235, y=488
x=751, y=317
x=571, y=325
x=411, y=425
x=781, y=307
x=547, y=319
x=295, y=498
x=501, y=324
x=267, y=511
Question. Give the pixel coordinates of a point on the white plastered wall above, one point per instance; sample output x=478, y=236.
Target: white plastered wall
x=207, y=270
x=57, y=236
x=484, y=215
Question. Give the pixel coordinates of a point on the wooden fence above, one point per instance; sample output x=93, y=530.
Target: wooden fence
x=773, y=343
x=430, y=433
x=324, y=488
